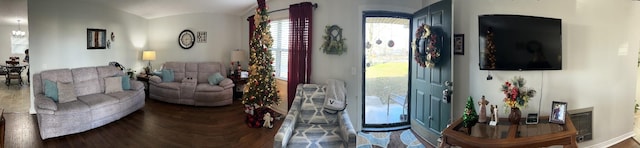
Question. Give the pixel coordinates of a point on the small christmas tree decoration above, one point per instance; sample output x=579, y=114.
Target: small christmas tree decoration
x=470, y=118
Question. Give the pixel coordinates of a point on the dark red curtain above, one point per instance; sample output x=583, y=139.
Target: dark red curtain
x=252, y=27
x=300, y=35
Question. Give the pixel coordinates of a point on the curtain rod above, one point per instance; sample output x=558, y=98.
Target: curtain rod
x=315, y=5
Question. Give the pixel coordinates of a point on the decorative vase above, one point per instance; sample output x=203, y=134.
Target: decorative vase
x=514, y=117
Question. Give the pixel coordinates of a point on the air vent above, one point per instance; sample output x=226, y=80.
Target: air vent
x=583, y=121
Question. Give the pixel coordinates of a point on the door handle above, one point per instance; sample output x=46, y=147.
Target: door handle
x=446, y=95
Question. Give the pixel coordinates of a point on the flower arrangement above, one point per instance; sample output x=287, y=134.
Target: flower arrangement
x=517, y=96
x=429, y=55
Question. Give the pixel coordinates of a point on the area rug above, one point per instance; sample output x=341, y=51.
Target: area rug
x=395, y=139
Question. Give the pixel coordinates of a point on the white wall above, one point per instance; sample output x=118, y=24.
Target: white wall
x=223, y=36
x=58, y=35
x=347, y=15
x=599, y=61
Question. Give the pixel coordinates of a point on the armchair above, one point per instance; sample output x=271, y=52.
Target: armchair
x=307, y=125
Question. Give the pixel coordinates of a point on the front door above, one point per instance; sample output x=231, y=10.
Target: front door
x=430, y=112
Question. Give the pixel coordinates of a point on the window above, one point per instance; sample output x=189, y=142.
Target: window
x=280, y=47
x=18, y=45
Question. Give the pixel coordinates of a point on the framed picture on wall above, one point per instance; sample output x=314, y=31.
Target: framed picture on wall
x=458, y=42
x=96, y=38
x=558, y=112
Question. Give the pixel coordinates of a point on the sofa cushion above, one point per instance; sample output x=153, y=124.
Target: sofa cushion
x=98, y=100
x=86, y=81
x=206, y=69
x=107, y=71
x=167, y=75
x=215, y=79
x=112, y=84
x=124, y=95
x=72, y=107
x=169, y=85
x=314, y=135
x=178, y=70
x=126, y=85
x=51, y=90
x=205, y=87
x=66, y=92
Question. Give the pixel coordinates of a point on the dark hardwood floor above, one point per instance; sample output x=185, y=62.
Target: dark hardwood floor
x=158, y=124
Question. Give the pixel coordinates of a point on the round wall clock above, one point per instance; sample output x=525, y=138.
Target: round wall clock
x=186, y=39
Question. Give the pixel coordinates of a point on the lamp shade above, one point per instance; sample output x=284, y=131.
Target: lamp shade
x=149, y=55
x=237, y=55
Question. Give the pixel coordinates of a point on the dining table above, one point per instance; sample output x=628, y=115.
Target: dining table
x=13, y=69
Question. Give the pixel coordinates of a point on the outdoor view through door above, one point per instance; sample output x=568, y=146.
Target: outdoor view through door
x=386, y=64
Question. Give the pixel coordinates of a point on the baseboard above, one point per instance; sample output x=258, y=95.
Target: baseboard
x=613, y=141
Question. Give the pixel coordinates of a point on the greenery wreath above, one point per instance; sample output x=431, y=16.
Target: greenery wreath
x=429, y=56
x=333, y=40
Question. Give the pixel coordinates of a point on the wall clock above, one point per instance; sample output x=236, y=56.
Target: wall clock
x=186, y=39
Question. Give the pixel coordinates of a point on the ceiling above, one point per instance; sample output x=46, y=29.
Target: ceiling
x=12, y=10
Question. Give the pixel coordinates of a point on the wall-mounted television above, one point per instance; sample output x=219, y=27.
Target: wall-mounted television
x=517, y=42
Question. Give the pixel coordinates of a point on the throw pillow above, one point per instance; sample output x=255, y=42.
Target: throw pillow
x=112, y=84
x=215, y=79
x=126, y=85
x=66, y=92
x=51, y=90
x=167, y=75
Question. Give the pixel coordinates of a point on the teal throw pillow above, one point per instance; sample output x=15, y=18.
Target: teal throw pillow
x=157, y=73
x=167, y=75
x=215, y=79
x=51, y=90
x=125, y=83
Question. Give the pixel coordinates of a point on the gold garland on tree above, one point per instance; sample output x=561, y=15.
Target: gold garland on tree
x=490, y=51
x=261, y=89
x=425, y=57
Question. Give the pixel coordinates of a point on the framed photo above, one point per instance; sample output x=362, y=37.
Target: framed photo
x=201, y=37
x=96, y=38
x=244, y=74
x=458, y=42
x=558, y=112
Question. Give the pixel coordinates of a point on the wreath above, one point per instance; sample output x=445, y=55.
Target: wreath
x=333, y=40
x=429, y=56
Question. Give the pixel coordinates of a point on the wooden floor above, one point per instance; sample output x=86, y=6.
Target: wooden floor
x=158, y=124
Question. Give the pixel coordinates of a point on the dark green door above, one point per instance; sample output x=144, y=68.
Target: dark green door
x=430, y=112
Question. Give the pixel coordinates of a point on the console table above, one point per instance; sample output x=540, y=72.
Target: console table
x=506, y=135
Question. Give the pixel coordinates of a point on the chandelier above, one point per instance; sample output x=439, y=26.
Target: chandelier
x=18, y=33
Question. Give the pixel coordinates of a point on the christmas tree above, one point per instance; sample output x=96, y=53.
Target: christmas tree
x=261, y=87
x=470, y=117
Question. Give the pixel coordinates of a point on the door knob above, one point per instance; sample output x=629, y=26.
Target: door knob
x=446, y=95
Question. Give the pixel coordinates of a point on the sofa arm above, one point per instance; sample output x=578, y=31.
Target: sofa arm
x=285, y=132
x=347, y=132
x=44, y=104
x=226, y=83
x=155, y=79
x=136, y=85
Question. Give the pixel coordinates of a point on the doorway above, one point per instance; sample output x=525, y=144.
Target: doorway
x=386, y=70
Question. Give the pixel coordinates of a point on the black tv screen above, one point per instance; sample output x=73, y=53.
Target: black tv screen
x=517, y=42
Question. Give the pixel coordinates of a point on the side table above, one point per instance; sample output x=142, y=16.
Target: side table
x=239, y=85
x=144, y=78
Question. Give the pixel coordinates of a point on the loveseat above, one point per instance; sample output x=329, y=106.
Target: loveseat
x=69, y=101
x=189, y=83
x=307, y=124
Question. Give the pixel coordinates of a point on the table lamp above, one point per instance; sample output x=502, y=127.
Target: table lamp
x=237, y=56
x=148, y=55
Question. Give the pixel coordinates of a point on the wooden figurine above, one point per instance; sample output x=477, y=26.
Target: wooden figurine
x=483, y=110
